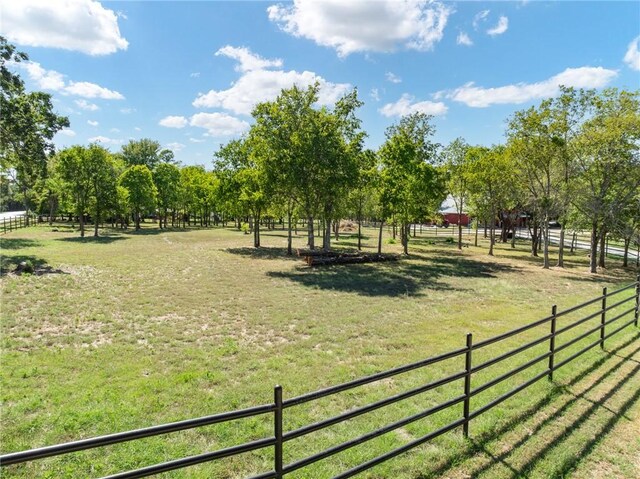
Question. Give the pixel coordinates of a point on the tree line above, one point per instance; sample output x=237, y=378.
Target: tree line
x=573, y=159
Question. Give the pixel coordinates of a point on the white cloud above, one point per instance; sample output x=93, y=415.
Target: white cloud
x=479, y=17
x=583, y=77
x=197, y=140
x=174, y=122
x=375, y=94
x=219, y=124
x=45, y=79
x=55, y=81
x=500, y=28
x=247, y=61
x=85, y=105
x=195, y=75
x=463, y=39
x=91, y=90
x=632, y=57
x=392, y=77
x=104, y=140
x=137, y=128
x=67, y=132
x=405, y=106
x=127, y=111
x=362, y=26
x=264, y=85
x=175, y=147
x=92, y=122
x=114, y=130
x=81, y=25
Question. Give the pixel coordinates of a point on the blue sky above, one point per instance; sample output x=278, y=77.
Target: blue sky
x=188, y=73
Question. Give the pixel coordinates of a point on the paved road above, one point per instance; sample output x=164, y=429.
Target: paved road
x=11, y=214
x=554, y=238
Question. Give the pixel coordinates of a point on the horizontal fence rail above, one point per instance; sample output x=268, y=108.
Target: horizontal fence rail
x=11, y=223
x=630, y=303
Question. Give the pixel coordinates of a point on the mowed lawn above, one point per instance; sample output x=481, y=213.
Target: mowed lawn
x=136, y=329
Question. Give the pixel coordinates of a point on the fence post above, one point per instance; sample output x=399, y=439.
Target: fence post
x=277, y=429
x=635, y=323
x=467, y=385
x=603, y=316
x=552, y=341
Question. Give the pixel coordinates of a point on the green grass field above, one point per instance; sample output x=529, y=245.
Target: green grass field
x=135, y=329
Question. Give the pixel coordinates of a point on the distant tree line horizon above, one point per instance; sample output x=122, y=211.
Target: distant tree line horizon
x=574, y=159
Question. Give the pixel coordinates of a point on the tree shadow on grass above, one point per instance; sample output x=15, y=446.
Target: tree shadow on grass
x=395, y=278
x=548, y=403
x=93, y=239
x=8, y=264
x=262, y=253
x=18, y=243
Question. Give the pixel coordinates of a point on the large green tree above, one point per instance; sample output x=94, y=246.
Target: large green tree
x=455, y=164
x=243, y=162
x=142, y=192
x=166, y=177
x=311, y=153
x=490, y=175
x=145, y=152
x=27, y=126
x=608, y=163
x=411, y=185
x=89, y=175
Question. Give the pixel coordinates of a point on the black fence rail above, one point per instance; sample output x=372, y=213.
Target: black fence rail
x=607, y=302
x=12, y=223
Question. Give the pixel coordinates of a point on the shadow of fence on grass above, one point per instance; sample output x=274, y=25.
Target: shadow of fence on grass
x=479, y=444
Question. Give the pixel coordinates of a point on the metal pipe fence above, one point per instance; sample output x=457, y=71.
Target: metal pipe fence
x=279, y=406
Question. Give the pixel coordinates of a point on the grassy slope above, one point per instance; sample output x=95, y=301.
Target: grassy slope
x=137, y=329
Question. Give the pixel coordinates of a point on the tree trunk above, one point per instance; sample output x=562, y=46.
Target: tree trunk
x=561, y=248
x=492, y=238
x=603, y=248
x=336, y=225
x=574, y=239
x=51, y=209
x=485, y=228
x=593, y=260
x=405, y=231
x=513, y=235
x=326, y=240
x=256, y=231
x=625, y=258
x=359, y=233
x=96, y=220
x=81, y=219
x=477, y=229
x=289, y=238
x=310, y=239
x=545, y=262
x=380, y=237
